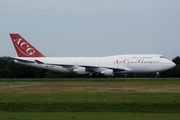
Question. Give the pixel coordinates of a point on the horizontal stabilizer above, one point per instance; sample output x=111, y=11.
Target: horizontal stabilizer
x=38, y=62
x=22, y=60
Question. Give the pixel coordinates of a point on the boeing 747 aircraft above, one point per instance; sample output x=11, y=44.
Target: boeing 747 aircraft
x=107, y=66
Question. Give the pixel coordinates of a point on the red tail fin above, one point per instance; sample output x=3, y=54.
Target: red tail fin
x=23, y=48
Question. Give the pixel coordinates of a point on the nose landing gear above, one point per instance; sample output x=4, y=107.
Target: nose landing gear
x=157, y=74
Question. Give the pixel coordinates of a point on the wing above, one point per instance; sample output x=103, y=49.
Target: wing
x=89, y=68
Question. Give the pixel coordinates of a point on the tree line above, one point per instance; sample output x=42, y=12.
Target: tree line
x=9, y=69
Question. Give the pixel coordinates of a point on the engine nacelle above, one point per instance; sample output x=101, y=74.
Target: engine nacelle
x=108, y=72
x=80, y=70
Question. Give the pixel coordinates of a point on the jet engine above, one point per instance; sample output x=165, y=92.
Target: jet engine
x=80, y=70
x=107, y=72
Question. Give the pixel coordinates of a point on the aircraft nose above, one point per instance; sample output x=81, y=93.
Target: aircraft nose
x=171, y=64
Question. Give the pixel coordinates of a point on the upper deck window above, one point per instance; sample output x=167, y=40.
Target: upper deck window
x=147, y=57
x=162, y=57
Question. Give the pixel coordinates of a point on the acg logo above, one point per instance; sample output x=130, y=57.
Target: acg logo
x=24, y=47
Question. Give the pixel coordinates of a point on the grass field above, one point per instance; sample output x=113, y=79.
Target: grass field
x=87, y=99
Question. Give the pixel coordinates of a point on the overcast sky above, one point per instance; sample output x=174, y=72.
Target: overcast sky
x=92, y=27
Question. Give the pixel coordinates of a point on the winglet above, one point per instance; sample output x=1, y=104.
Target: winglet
x=24, y=48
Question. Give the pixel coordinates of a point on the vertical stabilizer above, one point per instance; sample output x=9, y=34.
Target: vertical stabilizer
x=24, y=48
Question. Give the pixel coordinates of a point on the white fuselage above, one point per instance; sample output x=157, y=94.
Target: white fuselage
x=130, y=63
